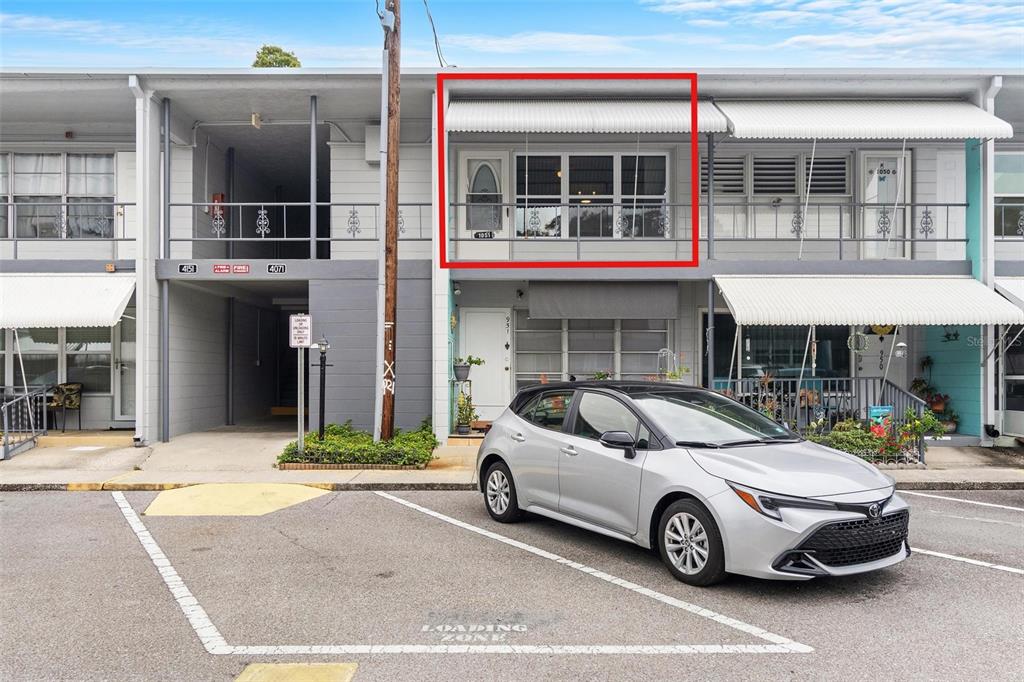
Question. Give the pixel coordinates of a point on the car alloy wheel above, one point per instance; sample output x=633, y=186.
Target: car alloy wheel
x=498, y=491
x=686, y=543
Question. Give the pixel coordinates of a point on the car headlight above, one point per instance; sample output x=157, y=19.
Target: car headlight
x=769, y=504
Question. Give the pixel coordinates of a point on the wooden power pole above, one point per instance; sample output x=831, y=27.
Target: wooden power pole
x=392, y=43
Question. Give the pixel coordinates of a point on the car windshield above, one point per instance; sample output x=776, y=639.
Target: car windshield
x=700, y=419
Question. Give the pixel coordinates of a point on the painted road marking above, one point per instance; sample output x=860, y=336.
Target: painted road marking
x=959, y=499
x=214, y=642
x=197, y=618
x=297, y=672
x=975, y=518
x=974, y=562
x=231, y=499
x=780, y=641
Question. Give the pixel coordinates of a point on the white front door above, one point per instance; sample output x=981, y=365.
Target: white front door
x=124, y=367
x=950, y=188
x=487, y=333
x=885, y=191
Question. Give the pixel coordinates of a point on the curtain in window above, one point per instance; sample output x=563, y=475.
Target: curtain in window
x=38, y=193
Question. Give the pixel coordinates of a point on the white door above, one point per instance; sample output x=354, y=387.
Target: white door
x=487, y=334
x=950, y=188
x=885, y=191
x=124, y=367
x=484, y=214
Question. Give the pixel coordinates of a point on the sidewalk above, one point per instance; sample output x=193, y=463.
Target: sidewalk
x=248, y=455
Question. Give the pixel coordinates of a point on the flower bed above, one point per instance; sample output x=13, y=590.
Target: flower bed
x=886, y=443
x=349, y=448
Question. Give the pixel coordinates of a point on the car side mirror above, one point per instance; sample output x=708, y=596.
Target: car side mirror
x=620, y=440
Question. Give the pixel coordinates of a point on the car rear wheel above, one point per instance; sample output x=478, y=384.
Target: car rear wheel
x=500, y=494
x=690, y=544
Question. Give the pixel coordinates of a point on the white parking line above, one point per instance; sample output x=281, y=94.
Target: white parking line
x=975, y=518
x=959, y=499
x=786, y=645
x=974, y=562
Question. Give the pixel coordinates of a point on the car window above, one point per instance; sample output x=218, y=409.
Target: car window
x=549, y=410
x=643, y=438
x=599, y=413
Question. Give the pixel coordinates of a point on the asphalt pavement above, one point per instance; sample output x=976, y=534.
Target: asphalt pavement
x=425, y=586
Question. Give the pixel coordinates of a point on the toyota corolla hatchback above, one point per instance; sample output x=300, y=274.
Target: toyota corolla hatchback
x=711, y=485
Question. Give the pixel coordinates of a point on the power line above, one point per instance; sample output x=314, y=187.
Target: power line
x=437, y=42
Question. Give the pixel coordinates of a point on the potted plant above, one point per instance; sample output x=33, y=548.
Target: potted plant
x=676, y=375
x=462, y=365
x=601, y=375
x=937, y=402
x=950, y=422
x=465, y=414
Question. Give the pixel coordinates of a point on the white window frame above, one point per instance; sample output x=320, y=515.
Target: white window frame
x=1012, y=195
x=10, y=359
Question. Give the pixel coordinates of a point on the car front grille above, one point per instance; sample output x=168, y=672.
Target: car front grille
x=847, y=543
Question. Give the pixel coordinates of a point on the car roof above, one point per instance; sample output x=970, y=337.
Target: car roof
x=628, y=388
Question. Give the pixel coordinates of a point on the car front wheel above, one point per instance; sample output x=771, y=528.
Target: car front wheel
x=690, y=544
x=500, y=494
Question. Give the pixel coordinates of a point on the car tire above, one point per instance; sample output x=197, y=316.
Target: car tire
x=697, y=556
x=500, y=494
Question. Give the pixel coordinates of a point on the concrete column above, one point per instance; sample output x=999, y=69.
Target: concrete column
x=441, y=331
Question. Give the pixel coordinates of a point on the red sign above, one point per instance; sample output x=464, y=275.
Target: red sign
x=222, y=269
x=240, y=269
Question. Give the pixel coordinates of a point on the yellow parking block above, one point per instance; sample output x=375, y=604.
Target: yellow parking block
x=297, y=672
x=230, y=499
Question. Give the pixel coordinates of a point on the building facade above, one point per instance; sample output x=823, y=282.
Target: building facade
x=859, y=239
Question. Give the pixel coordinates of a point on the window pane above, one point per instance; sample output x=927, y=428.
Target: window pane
x=92, y=370
x=536, y=363
x=599, y=413
x=575, y=325
x=591, y=175
x=5, y=176
x=646, y=219
x=549, y=411
x=543, y=219
x=651, y=180
x=33, y=340
x=1009, y=216
x=524, y=321
x=591, y=341
x=590, y=219
x=40, y=369
x=83, y=339
x=37, y=174
x=650, y=341
x=545, y=176
x=38, y=216
x=1009, y=175
x=585, y=365
x=91, y=163
x=539, y=341
x=87, y=218
x=659, y=325
x=639, y=363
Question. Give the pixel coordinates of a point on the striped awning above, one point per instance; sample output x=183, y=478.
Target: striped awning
x=864, y=300
x=861, y=120
x=581, y=116
x=64, y=300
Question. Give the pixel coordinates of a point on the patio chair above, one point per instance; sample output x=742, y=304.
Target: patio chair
x=66, y=397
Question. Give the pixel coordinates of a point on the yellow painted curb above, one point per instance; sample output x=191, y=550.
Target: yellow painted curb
x=230, y=499
x=298, y=672
x=84, y=487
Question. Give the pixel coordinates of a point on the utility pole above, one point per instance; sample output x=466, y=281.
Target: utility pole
x=389, y=376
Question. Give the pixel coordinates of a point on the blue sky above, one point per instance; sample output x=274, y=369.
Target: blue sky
x=687, y=34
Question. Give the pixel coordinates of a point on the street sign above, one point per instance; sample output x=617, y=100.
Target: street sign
x=300, y=331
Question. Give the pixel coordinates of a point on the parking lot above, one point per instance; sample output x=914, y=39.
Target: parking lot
x=424, y=585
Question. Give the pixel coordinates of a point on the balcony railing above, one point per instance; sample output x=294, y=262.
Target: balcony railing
x=22, y=418
x=657, y=231
x=86, y=221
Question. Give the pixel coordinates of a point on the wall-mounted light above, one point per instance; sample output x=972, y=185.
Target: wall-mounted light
x=456, y=289
x=257, y=120
x=901, y=350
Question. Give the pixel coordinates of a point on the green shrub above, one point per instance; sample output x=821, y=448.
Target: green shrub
x=343, y=444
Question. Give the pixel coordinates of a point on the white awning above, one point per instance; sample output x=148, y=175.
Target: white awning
x=864, y=300
x=1012, y=288
x=580, y=116
x=64, y=300
x=861, y=120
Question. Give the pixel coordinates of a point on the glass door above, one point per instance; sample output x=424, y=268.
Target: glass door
x=124, y=367
x=885, y=192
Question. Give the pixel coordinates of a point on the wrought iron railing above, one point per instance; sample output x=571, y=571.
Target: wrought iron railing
x=22, y=418
x=825, y=401
x=88, y=220
x=1009, y=221
x=289, y=221
x=838, y=229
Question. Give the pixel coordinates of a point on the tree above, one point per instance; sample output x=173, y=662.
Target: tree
x=272, y=56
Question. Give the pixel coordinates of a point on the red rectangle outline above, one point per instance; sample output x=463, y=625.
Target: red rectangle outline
x=694, y=171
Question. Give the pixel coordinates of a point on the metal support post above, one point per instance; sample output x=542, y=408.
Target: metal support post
x=230, y=420
x=710, y=224
x=312, y=177
x=301, y=441
x=709, y=339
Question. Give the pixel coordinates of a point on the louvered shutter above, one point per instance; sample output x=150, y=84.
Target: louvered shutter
x=774, y=175
x=728, y=175
x=829, y=176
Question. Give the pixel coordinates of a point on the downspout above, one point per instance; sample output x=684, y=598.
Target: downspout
x=165, y=293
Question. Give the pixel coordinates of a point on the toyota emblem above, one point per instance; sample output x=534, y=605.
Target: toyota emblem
x=874, y=510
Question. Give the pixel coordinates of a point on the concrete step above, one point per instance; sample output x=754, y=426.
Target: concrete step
x=473, y=439
x=73, y=439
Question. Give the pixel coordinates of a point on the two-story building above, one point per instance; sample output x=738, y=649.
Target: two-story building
x=855, y=231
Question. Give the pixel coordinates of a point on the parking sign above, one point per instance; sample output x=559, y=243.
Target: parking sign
x=300, y=331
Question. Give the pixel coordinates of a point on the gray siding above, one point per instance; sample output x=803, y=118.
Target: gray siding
x=255, y=355
x=198, y=357
x=345, y=311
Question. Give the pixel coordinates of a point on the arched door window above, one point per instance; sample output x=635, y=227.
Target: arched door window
x=484, y=197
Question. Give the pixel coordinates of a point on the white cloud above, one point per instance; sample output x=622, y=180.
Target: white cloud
x=541, y=41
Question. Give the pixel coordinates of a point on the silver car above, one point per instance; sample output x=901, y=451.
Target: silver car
x=710, y=484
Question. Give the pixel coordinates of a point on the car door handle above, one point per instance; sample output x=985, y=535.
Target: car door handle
x=569, y=450
x=519, y=438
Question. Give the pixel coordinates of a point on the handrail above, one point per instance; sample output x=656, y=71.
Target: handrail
x=23, y=420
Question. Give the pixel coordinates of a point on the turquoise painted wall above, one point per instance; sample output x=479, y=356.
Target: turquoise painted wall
x=974, y=218
x=956, y=372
